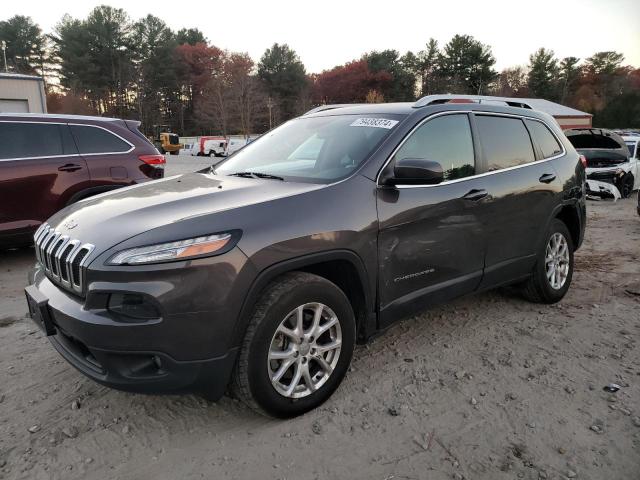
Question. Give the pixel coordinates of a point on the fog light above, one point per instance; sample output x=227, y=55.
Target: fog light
x=132, y=305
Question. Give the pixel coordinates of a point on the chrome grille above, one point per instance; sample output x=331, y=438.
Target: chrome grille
x=62, y=258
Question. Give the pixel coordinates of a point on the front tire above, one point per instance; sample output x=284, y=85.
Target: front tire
x=297, y=348
x=626, y=185
x=553, y=271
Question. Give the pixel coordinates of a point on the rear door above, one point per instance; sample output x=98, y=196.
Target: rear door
x=431, y=239
x=107, y=155
x=523, y=187
x=40, y=170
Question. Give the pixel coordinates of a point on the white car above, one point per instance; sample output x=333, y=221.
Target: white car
x=633, y=143
x=607, y=156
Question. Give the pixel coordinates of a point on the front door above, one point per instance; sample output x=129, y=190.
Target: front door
x=431, y=239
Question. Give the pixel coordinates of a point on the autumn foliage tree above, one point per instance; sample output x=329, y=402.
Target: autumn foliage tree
x=348, y=83
x=110, y=64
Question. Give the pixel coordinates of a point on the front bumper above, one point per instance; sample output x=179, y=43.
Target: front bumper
x=615, y=176
x=182, y=351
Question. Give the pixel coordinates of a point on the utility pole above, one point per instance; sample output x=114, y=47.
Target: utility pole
x=4, y=54
x=270, y=106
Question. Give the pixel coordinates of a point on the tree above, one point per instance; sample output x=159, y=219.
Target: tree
x=427, y=66
x=190, y=36
x=467, y=65
x=622, y=111
x=605, y=73
x=68, y=103
x=350, y=83
x=25, y=45
x=373, y=96
x=403, y=81
x=569, y=74
x=196, y=66
x=604, y=63
x=245, y=94
x=543, y=74
x=284, y=78
x=156, y=79
x=511, y=82
x=96, y=58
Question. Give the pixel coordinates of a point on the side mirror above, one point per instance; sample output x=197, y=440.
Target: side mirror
x=416, y=171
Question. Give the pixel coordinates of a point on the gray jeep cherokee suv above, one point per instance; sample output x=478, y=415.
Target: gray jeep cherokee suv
x=261, y=274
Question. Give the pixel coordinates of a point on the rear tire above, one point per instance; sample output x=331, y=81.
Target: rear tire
x=553, y=271
x=308, y=368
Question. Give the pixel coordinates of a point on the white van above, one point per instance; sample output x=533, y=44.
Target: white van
x=214, y=147
x=235, y=144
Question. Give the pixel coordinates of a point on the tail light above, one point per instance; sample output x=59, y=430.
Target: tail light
x=153, y=159
x=583, y=161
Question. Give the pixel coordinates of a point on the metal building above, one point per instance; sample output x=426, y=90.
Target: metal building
x=566, y=117
x=22, y=94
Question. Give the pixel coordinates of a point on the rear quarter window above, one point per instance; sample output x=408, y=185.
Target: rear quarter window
x=98, y=140
x=505, y=142
x=544, y=139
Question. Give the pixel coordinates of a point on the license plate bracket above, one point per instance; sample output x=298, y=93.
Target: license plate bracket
x=39, y=310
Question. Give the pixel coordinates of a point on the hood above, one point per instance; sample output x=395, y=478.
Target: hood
x=112, y=217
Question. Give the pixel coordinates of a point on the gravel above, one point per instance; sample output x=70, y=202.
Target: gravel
x=521, y=357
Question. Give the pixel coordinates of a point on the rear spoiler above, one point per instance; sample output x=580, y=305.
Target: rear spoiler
x=133, y=125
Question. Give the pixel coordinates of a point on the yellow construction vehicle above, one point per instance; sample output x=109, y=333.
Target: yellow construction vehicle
x=165, y=140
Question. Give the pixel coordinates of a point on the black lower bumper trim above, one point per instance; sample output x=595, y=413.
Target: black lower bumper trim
x=147, y=372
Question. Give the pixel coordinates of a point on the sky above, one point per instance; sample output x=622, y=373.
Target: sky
x=327, y=33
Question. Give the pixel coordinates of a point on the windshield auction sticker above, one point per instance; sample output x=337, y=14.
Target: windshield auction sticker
x=374, y=122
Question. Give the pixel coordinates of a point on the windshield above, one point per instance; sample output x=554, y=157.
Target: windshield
x=631, y=147
x=314, y=149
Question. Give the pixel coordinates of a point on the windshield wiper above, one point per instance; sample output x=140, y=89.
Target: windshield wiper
x=256, y=175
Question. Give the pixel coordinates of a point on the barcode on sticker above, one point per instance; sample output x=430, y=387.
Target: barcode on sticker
x=374, y=122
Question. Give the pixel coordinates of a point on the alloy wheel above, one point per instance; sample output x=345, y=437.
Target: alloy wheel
x=304, y=350
x=557, y=261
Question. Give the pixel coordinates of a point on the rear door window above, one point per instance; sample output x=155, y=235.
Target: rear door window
x=505, y=142
x=28, y=140
x=98, y=140
x=545, y=140
x=446, y=140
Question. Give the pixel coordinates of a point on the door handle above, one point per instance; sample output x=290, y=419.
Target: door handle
x=547, y=178
x=69, y=167
x=475, y=194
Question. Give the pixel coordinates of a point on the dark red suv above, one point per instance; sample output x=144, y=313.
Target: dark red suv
x=50, y=161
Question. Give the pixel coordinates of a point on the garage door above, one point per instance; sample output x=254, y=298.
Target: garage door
x=14, y=106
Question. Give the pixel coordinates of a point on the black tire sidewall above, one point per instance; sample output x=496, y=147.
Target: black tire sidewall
x=550, y=293
x=260, y=385
x=627, y=181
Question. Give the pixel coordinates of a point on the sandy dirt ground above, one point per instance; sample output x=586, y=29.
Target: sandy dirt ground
x=486, y=387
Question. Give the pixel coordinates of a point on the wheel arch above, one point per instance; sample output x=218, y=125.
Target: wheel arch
x=341, y=267
x=570, y=216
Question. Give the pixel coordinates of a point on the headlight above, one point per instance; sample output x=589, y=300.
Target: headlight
x=180, y=250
